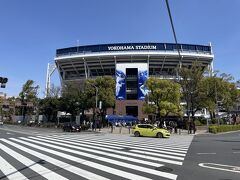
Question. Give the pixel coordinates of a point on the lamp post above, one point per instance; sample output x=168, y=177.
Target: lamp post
x=96, y=89
x=23, y=107
x=96, y=105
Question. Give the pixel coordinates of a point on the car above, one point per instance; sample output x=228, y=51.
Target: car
x=1, y=123
x=71, y=127
x=150, y=130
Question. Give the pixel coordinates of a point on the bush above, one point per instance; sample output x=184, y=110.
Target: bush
x=214, y=121
x=223, y=128
x=197, y=123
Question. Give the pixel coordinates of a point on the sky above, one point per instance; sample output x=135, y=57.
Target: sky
x=32, y=30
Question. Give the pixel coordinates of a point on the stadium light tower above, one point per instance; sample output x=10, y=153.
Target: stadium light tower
x=50, y=69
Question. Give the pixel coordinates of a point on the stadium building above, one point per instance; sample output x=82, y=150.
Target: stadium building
x=130, y=64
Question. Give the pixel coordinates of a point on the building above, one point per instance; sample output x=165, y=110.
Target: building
x=131, y=64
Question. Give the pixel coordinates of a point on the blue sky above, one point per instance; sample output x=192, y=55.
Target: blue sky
x=31, y=31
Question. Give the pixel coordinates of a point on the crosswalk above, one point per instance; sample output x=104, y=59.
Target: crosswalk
x=90, y=156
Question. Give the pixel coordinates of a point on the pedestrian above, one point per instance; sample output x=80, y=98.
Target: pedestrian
x=180, y=126
x=111, y=126
x=129, y=127
x=175, y=127
x=91, y=125
x=194, y=127
x=120, y=128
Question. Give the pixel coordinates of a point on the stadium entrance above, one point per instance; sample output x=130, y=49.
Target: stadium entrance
x=132, y=110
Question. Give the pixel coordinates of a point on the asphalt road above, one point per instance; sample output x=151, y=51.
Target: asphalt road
x=7, y=131
x=36, y=153
x=212, y=157
x=39, y=153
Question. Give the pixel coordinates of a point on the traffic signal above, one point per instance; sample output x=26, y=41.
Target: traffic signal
x=3, y=81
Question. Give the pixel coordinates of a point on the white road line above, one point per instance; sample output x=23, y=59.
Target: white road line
x=96, y=165
x=9, y=171
x=170, y=144
x=140, y=147
x=32, y=165
x=105, y=151
x=119, y=163
x=65, y=166
x=237, y=152
x=116, y=143
x=157, y=154
x=220, y=167
x=100, y=145
x=150, y=141
x=9, y=133
x=206, y=153
x=93, y=156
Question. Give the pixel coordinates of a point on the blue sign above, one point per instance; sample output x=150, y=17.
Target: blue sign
x=120, y=85
x=142, y=78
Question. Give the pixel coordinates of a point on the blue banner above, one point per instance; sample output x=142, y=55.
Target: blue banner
x=120, y=85
x=142, y=78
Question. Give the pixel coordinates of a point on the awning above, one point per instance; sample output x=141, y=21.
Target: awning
x=117, y=118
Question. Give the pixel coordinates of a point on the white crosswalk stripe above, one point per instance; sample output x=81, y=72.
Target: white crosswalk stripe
x=10, y=171
x=95, y=157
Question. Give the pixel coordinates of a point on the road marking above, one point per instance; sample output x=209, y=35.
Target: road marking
x=238, y=152
x=32, y=165
x=66, y=166
x=9, y=171
x=134, y=145
x=111, y=161
x=137, y=158
x=93, y=164
x=103, y=152
x=220, y=167
x=206, y=153
x=9, y=133
x=171, y=145
x=120, y=152
x=157, y=154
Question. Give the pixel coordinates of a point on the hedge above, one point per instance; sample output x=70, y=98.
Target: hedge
x=223, y=128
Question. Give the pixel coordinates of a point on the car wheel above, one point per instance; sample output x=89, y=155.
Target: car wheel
x=136, y=134
x=159, y=135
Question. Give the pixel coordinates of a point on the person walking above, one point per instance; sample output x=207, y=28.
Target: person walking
x=111, y=126
x=194, y=127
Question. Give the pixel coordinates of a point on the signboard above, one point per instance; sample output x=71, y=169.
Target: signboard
x=120, y=82
x=142, y=78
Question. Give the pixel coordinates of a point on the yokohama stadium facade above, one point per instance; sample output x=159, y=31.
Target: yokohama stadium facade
x=130, y=64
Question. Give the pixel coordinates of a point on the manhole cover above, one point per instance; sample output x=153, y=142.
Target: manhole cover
x=164, y=169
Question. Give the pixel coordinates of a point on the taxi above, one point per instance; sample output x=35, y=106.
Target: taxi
x=149, y=130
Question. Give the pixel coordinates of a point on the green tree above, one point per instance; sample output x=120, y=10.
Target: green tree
x=28, y=95
x=74, y=99
x=163, y=98
x=49, y=107
x=105, y=87
x=218, y=93
x=190, y=77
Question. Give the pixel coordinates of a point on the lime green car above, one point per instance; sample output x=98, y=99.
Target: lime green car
x=149, y=130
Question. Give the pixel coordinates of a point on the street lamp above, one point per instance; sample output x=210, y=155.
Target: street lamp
x=96, y=88
x=23, y=107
